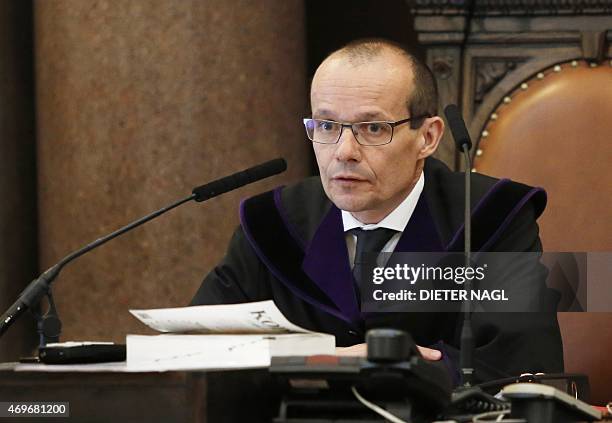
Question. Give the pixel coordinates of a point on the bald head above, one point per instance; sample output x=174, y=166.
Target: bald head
x=361, y=89
x=421, y=96
x=365, y=50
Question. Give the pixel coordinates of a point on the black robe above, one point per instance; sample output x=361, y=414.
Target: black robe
x=290, y=247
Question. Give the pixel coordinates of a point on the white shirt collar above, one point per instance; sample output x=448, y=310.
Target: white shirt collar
x=397, y=219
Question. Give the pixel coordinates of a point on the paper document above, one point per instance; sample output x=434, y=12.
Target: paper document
x=219, y=352
x=257, y=317
x=217, y=337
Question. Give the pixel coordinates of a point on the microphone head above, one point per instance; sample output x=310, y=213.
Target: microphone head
x=231, y=182
x=457, y=127
x=269, y=168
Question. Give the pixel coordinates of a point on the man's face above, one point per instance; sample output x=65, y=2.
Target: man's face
x=368, y=181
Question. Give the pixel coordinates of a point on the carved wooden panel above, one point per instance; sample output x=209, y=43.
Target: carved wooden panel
x=480, y=54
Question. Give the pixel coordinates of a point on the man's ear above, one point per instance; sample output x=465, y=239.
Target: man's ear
x=431, y=134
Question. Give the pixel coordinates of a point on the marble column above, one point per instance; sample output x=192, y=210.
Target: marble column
x=138, y=102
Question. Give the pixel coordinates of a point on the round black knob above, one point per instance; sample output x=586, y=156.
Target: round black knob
x=51, y=327
x=389, y=345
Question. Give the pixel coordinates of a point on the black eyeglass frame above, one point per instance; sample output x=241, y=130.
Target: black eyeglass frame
x=393, y=124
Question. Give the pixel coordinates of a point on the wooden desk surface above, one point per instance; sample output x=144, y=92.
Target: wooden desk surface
x=241, y=395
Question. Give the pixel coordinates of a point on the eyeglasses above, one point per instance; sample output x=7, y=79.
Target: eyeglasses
x=366, y=133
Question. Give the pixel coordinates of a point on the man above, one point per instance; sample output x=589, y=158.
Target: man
x=374, y=128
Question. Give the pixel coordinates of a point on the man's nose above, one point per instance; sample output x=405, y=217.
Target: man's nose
x=348, y=148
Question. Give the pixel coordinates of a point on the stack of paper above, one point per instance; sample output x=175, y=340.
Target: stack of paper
x=220, y=337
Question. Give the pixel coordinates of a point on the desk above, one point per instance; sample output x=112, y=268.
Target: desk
x=227, y=396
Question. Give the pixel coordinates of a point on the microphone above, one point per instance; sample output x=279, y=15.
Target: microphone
x=232, y=182
x=457, y=127
x=41, y=286
x=464, y=143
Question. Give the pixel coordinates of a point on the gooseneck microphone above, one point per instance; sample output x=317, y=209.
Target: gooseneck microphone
x=464, y=144
x=457, y=127
x=238, y=179
x=39, y=287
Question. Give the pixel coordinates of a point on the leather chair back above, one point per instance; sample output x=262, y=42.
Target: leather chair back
x=555, y=131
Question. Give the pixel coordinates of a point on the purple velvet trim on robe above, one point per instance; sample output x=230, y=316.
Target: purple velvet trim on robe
x=327, y=263
x=500, y=230
x=278, y=274
x=475, y=210
x=281, y=211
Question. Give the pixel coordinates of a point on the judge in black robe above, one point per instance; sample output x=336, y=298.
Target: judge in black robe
x=374, y=128
x=290, y=247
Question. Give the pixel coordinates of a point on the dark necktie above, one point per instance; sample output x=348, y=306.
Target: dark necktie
x=368, y=242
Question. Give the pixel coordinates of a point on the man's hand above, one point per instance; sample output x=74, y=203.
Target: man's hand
x=360, y=350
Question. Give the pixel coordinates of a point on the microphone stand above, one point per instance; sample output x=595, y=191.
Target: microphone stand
x=464, y=143
x=49, y=326
x=467, y=335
